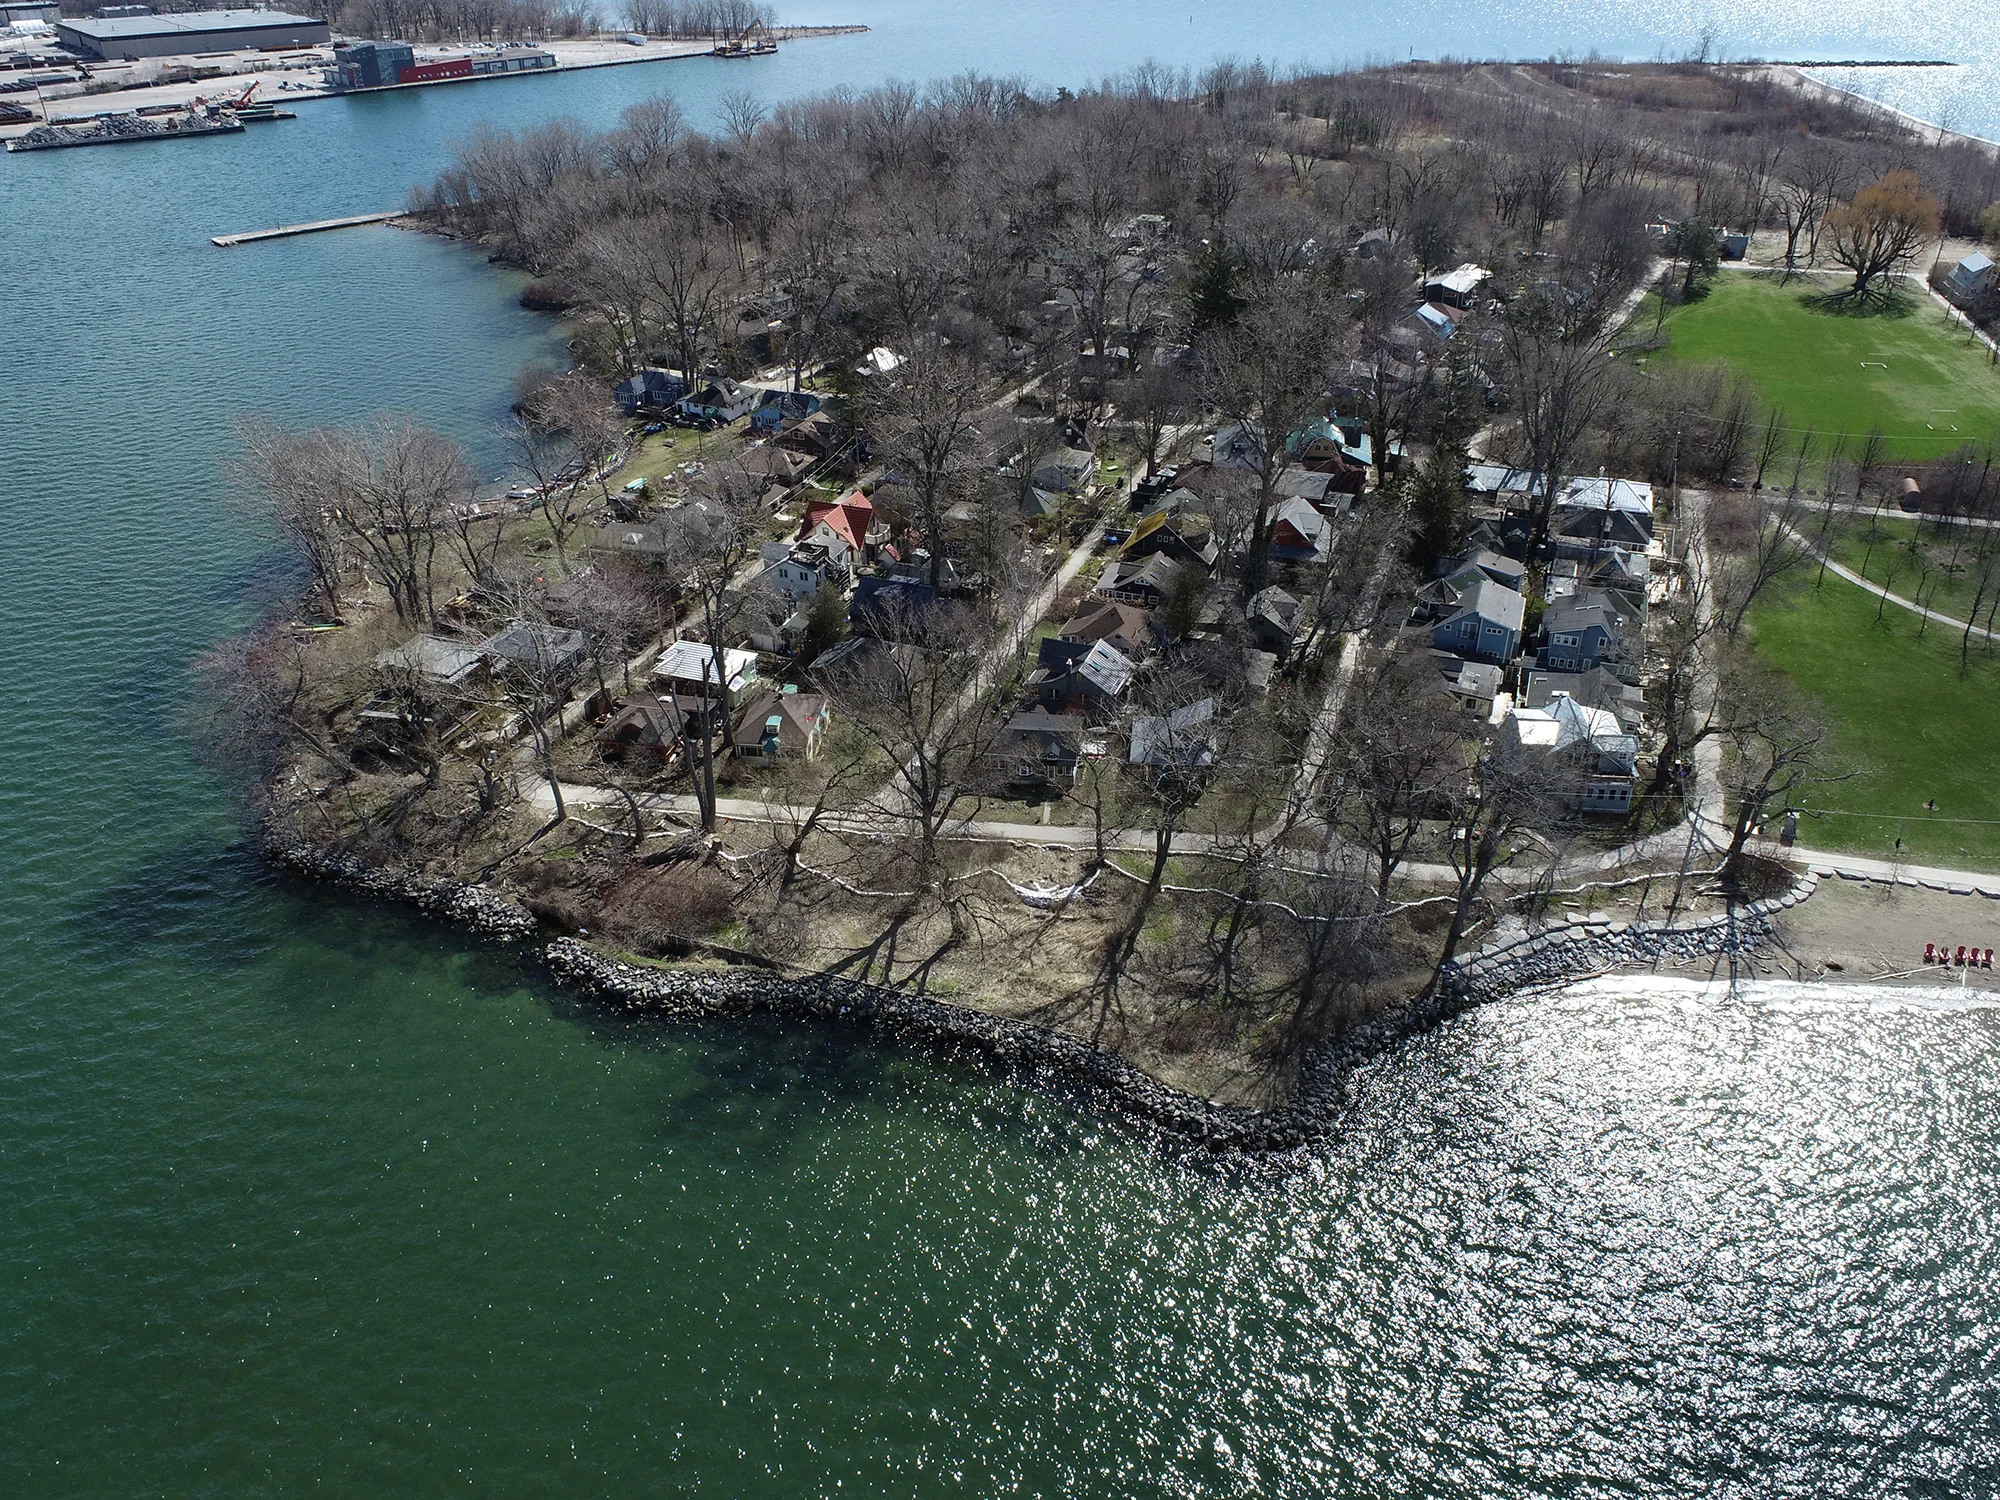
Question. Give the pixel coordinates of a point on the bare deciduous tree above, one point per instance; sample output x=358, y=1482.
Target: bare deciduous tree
x=710, y=544
x=925, y=421
x=1504, y=798
x=1398, y=761
x=562, y=435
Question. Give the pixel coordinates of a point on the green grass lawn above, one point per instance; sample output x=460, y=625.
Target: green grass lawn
x=1904, y=370
x=1910, y=726
x=1952, y=582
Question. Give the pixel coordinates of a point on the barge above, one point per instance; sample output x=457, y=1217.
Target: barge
x=755, y=40
x=121, y=130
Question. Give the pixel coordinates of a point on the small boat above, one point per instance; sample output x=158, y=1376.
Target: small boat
x=257, y=114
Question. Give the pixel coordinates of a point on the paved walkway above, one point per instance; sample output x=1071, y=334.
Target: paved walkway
x=1880, y=592
x=1897, y=513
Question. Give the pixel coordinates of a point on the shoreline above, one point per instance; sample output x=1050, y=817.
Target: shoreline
x=1804, y=81
x=1043, y=1056
x=603, y=52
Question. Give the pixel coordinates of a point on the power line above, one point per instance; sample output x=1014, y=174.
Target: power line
x=1841, y=812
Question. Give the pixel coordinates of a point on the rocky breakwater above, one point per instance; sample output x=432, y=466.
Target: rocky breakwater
x=1572, y=950
x=469, y=906
x=694, y=992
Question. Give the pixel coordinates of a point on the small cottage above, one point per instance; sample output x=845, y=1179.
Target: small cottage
x=780, y=722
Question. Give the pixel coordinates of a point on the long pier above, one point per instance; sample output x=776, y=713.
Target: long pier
x=288, y=230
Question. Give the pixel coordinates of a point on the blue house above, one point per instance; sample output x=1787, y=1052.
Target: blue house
x=780, y=411
x=1580, y=633
x=648, y=388
x=1485, y=625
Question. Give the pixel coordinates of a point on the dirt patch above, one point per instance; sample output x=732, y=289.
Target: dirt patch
x=1864, y=932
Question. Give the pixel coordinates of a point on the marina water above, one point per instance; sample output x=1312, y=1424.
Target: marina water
x=305, y=1195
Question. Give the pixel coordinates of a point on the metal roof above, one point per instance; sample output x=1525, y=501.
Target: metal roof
x=121, y=27
x=1585, y=493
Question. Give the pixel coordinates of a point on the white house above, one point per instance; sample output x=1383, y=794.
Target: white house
x=1972, y=275
x=801, y=570
x=1604, y=755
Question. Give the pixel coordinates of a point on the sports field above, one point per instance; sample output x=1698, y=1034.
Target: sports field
x=1905, y=369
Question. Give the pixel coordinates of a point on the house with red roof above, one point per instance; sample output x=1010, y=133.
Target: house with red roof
x=842, y=524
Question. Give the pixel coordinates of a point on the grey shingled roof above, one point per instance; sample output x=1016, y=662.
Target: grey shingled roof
x=1492, y=601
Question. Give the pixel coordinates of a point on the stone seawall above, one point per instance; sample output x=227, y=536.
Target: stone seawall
x=1553, y=956
x=1571, y=950
x=470, y=906
x=1556, y=955
x=1182, y=1117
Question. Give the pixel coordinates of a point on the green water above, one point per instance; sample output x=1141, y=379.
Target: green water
x=298, y=1195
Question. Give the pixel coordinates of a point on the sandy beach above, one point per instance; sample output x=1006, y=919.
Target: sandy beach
x=1861, y=932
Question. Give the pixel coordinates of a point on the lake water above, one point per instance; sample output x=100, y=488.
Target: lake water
x=298, y=1194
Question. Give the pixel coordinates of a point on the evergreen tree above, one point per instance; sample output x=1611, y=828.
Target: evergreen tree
x=1437, y=504
x=1695, y=247
x=1213, y=296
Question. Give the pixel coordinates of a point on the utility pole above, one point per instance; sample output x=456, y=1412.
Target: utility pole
x=1674, y=472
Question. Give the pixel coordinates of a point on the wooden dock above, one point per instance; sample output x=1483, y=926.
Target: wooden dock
x=288, y=230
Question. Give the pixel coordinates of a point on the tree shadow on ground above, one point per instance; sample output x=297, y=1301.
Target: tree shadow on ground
x=1893, y=305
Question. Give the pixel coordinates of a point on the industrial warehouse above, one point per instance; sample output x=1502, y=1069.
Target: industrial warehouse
x=64, y=78
x=373, y=65
x=130, y=33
